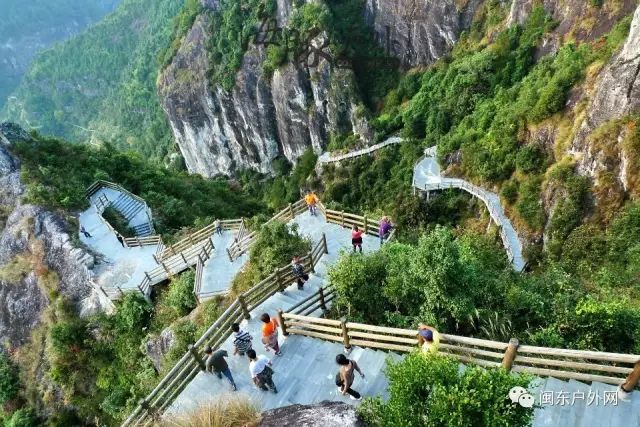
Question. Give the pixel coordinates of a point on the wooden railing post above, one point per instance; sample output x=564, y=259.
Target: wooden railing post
x=283, y=326
x=165, y=268
x=155, y=258
x=138, y=241
x=147, y=276
x=365, y=224
x=323, y=305
x=291, y=210
x=345, y=335
x=510, y=354
x=279, y=281
x=229, y=254
x=197, y=358
x=342, y=219
x=312, y=266
x=324, y=243
x=243, y=306
x=184, y=259
x=144, y=404
x=631, y=381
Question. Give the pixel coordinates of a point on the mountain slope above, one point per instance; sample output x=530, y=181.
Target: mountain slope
x=100, y=86
x=27, y=28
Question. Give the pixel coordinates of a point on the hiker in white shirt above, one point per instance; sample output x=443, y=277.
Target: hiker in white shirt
x=261, y=372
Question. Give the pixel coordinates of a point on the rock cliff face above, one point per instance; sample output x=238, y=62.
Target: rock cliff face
x=419, y=32
x=615, y=97
x=37, y=255
x=323, y=414
x=262, y=117
x=577, y=19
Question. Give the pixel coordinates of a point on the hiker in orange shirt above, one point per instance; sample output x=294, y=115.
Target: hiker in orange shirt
x=311, y=200
x=270, y=333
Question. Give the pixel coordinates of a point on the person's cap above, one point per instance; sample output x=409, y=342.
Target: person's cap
x=426, y=334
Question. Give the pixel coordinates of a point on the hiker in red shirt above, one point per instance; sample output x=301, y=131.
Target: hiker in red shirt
x=356, y=238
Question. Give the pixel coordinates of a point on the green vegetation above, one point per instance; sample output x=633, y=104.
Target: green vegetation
x=182, y=23
x=582, y=301
x=58, y=173
x=24, y=25
x=275, y=246
x=286, y=186
x=101, y=85
x=118, y=222
x=234, y=26
x=9, y=381
x=429, y=390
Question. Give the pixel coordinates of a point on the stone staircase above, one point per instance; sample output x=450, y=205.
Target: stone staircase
x=583, y=413
x=304, y=373
x=427, y=177
x=134, y=210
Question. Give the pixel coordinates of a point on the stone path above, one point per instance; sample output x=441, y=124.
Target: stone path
x=333, y=158
x=427, y=177
x=305, y=372
x=120, y=267
x=219, y=271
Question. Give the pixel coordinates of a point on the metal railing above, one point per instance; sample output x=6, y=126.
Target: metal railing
x=333, y=158
x=497, y=216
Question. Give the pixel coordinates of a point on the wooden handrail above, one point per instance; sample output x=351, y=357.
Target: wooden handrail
x=180, y=375
x=557, y=362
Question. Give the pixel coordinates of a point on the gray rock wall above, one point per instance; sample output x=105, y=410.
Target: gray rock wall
x=41, y=241
x=262, y=117
x=419, y=32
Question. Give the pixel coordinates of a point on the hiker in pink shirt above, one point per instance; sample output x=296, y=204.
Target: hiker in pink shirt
x=356, y=238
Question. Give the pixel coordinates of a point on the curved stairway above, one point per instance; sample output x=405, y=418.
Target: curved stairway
x=131, y=207
x=427, y=178
x=305, y=372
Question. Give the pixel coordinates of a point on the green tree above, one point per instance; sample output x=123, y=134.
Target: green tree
x=431, y=390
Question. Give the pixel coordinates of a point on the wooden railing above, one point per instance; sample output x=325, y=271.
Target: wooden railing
x=197, y=237
x=204, y=255
x=611, y=368
x=345, y=219
x=193, y=360
x=178, y=263
x=243, y=243
x=132, y=242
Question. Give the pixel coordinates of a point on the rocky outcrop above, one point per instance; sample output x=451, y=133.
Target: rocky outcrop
x=262, y=117
x=37, y=257
x=577, y=19
x=324, y=414
x=616, y=95
x=419, y=32
x=157, y=347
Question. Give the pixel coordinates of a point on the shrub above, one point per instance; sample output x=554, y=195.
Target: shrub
x=9, y=381
x=275, y=245
x=530, y=159
x=23, y=418
x=431, y=390
x=509, y=191
x=224, y=412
